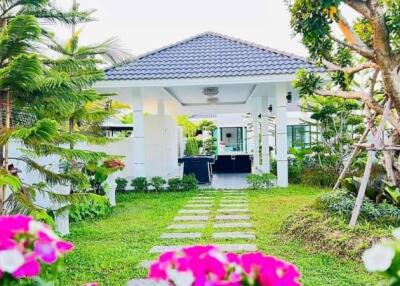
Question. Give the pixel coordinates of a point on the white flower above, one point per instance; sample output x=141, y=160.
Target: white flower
x=378, y=258
x=35, y=226
x=181, y=278
x=396, y=233
x=11, y=260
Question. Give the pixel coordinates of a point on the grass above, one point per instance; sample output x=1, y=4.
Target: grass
x=109, y=251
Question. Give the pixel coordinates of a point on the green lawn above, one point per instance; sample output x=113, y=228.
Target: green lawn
x=108, y=251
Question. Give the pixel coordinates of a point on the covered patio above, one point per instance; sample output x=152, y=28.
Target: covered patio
x=209, y=73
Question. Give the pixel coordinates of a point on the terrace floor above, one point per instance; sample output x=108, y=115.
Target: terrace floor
x=228, y=181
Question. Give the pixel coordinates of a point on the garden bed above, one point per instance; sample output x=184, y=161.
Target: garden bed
x=321, y=231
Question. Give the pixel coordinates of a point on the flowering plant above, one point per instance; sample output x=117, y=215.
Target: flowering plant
x=25, y=245
x=384, y=257
x=206, y=265
x=114, y=164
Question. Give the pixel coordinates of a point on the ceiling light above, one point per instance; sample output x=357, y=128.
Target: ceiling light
x=210, y=91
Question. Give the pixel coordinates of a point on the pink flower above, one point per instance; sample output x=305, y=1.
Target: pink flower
x=64, y=247
x=10, y=225
x=158, y=272
x=30, y=269
x=46, y=251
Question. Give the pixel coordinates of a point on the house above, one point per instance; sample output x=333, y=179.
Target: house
x=209, y=74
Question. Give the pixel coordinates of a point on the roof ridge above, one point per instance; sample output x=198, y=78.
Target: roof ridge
x=258, y=46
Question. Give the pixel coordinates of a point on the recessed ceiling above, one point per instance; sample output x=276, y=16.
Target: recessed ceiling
x=228, y=94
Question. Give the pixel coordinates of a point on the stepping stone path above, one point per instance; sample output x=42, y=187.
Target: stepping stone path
x=229, y=221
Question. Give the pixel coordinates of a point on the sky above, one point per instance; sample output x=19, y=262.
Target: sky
x=145, y=25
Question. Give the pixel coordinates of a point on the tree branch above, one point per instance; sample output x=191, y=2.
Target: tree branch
x=358, y=95
x=369, y=54
x=359, y=6
x=350, y=70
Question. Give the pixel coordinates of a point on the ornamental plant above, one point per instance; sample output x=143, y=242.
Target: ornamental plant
x=384, y=258
x=206, y=265
x=26, y=246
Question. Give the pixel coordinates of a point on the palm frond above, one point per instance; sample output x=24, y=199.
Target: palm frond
x=6, y=179
x=50, y=177
x=43, y=150
x=17, y=37
x=43, y=131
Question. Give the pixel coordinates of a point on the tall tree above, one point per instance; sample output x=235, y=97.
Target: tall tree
x=369, y=44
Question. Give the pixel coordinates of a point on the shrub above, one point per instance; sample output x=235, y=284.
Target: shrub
x=318, y=176
x=342, y=203
x=189, y=183
x=175, y=185
x=93, y=207
x=140, y=184
x=260, y=181
x=157, y=183
x=255, y=181
x=121, y=185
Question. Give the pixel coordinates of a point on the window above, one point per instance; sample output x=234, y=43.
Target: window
x=299, y=136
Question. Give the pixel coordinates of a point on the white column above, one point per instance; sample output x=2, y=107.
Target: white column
x=265, y=167
x=139, y=167
x=61, y=219
x=256, y=139
x=281, y=135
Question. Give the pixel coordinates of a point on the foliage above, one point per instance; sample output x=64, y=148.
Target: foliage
x=384, y=257
x=318, y=176
x=210, y=146
x=377, y=190
x=260, y=181
x=320, y=231
x=121, y=185
x=192, y=147
x=206, y=125
x=140, y=184
x=157, y=184
x=342, y=204
x=27, y=246
x=189, y=183
x=186, y=183
x=362, y=59
x=94, y=207
x=175, y=185
x=189, y=128
x=47, y=89
x=250, y=268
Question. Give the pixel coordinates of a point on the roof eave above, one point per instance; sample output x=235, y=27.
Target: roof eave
x=275, y=78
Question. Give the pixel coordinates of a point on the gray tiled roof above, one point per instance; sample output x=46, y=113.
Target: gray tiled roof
x=209, y=55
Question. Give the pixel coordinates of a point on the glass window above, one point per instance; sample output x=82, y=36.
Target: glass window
x=299, y=136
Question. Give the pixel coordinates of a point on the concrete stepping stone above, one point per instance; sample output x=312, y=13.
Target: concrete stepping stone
x=233, y=225
x=180, y=235
x=227, y=202
x=233, y=206
x=146, y=282
x=234, y=235
x=187, y=226
x=198, y=206
x=194, y=212
x=232, y=217
x=233, y=211
x=223, y=247
x=191, y=218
